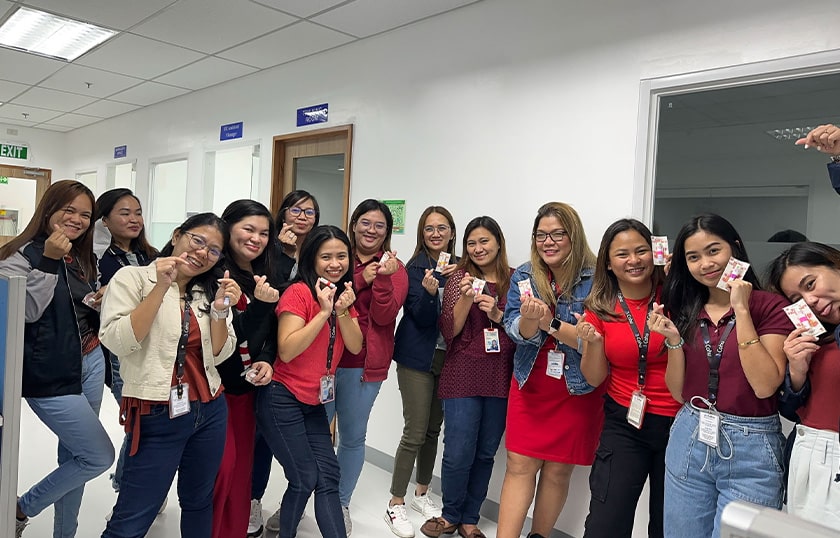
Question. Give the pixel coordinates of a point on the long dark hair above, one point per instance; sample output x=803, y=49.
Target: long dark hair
x=289, y=201
x=105, y=204
x=682, y=295
x=807, y=254
x=208, y=280
x=421, y=236
x=262, y=264
x=605, y=287
x=372, y=205
x=309, y=252
x=55, y=199
x=501, y=269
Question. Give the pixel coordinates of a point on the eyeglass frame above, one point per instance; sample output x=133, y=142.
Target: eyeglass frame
x=198, y=242
x=440, y=228
x=308, y=212
x=562, y=233
x=379, y=227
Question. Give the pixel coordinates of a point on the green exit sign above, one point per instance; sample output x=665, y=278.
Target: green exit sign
x=11, y=151
x=4, y=180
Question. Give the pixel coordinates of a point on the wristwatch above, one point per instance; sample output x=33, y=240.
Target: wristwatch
x=554, y=326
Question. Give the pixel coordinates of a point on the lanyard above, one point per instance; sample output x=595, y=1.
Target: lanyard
x=332, y=342
x=641, y=341
x=181, y=357
x=714, y=358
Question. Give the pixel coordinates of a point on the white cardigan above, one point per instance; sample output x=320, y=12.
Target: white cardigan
x=146, y=367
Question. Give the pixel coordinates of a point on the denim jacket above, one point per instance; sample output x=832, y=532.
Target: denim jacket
x=527, y=350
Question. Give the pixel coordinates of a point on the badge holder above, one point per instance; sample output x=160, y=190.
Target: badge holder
x=636, y=411
x=179, y=400
x=491, y=341
x=556, y=363
x=709, y=428
x=327, y=393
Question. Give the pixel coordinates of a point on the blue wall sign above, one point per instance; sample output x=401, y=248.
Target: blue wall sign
x=231, y=131
x=313, y=114
x=120, y=152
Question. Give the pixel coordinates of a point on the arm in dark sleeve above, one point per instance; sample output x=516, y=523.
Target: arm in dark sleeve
x=791, y=400
x=834, y=174
x=420, y=305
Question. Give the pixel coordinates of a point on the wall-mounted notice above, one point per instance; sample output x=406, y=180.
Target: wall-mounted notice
x=397, y=208
x=120, y=152
x=313, y=114
x=14, y=151
x=231, y=131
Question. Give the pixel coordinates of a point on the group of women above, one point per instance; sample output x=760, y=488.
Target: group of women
x=247, y=333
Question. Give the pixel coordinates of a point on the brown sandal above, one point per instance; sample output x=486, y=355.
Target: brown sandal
x=436, y=526
x=476, y=533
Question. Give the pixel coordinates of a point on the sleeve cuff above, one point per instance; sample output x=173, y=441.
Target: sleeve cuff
x=48, y=265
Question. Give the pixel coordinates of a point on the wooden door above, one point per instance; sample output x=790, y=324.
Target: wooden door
x=21, y=189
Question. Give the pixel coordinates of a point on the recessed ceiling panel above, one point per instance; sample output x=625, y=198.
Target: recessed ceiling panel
x=26, y=68
x=74, y=120
x=106, y=109
x=206, y=72
x=212, y=25
x=138, y=57
x=301, y=8
x=27, y=113
x=53, y=127
x=148, y=93
x=76, y=78
x=367, y=17
x=52, y=99
x=10, y=89
x=118, y=14
x=288, y=44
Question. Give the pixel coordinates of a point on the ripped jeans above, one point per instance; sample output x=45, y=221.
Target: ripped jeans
x=700, y=480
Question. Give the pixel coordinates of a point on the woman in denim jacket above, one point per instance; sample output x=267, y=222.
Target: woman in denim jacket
x=548, y=386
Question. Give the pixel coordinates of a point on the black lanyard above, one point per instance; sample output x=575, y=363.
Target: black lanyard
x=332, y=342
x=641, y=341
x=181, y=357
x=714, y=358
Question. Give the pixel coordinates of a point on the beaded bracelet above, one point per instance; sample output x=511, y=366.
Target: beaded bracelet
x=678, y=346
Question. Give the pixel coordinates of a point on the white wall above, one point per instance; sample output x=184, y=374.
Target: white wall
x=46, y=149
x=491, y=109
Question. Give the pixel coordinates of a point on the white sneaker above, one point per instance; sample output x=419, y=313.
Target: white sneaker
x=273, y=523
x=348, y=523
x=398, y=522
x=255, y=520
x=19, y=526
x=426, y=505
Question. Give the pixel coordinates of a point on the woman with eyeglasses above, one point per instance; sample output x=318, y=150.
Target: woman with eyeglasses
x=170, y=324
x=381, y=285
x=63, y=365
x=419, y=352
x=298, y=215
x=811, y=271
x=475, y=377
x=621, y=352
x=726, y=361
x=554, y=416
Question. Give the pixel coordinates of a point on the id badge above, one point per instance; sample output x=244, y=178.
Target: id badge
x=709, y=427
x=491, y=340
x=250, y=374
x=179, y=405
x=556, y=361
x=327, y=393
x=636, y=411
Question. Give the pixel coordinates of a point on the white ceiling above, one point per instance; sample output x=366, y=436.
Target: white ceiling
x=168, y=48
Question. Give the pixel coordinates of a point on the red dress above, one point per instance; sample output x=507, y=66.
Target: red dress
x=545, y=422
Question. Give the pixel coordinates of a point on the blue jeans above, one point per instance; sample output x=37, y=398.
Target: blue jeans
x=262, y=466
x=700, y=481
x=84, y=448
x=353, y=402
x=472, y=431
x=191, y=444
x=299, y=437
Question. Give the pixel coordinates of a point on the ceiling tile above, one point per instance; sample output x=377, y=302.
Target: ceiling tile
x=74, y=120
x=288, y=44
x=52, y=99
x=149, y=93
x=367, y=17
x=74, y=78
x=16, y=112
x=138, y=57
x=301, y=8
x=22, y=123
x=119, y=14
x=106, y=109
x=212, y=25
x=206, y=73
x=27, y=68
x=51, y=127
x=10, y=89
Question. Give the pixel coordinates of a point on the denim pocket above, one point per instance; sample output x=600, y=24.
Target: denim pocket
x=756, y=468
x=599, y=476
x=681, y=444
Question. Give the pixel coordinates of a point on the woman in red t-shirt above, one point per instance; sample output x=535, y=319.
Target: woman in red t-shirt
x=811, y=272
x=315, y=324
x=620, y=349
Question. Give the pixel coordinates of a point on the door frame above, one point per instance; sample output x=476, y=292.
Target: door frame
x=42, y=178
x=280, y=186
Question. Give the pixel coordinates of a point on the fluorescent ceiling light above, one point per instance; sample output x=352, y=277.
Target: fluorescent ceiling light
x=42, y=33
x=789, y=133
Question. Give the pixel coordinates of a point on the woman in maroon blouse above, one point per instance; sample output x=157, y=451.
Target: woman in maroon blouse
x=475, y=378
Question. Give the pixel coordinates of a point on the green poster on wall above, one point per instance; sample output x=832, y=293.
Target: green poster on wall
x=397, y=208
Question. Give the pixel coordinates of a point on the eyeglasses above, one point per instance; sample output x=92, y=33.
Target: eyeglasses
x=197, y=242
x=296, y=211
x=441, y=229
x=380, y=227
x=556, y=236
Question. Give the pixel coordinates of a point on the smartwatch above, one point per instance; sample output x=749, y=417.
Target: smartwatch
x=554, y=326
